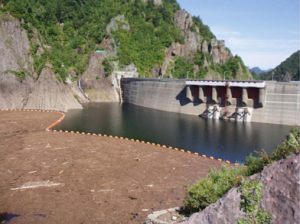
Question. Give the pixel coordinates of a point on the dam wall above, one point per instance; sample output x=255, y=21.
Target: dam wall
x=275, y=102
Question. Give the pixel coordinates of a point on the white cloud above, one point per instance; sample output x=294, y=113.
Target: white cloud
x=265, y=53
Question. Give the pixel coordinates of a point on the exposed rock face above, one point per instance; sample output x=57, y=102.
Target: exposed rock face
x=45, y=93
x=204, y=47
x=184, y=22
x=97, y=87
x=223, y=211
x=193, y=44
x=49, y=93
x=156, y=2
x=117, y=23
x=282, y=190
x=281, y=197
x=14, y=46
x=218, y=51
x=13, y=92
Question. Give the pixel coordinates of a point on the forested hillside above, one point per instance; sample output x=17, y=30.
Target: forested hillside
x=64, y=33
x=287, y=70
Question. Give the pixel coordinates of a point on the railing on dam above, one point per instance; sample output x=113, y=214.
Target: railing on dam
x=231, y=83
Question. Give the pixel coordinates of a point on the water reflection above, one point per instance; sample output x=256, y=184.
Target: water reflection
x=227, y=140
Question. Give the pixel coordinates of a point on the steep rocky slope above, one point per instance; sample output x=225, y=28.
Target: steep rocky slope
x=13, y=92
x=19, y=85
x=49, y=93
x=14, y=47
x=91, y=42
x=95, y=84
x=195, y=44
x=281, y=196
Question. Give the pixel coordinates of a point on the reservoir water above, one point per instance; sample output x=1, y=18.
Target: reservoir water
x=221, y=139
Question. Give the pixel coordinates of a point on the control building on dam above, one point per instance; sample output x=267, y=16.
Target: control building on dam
x=242, y=101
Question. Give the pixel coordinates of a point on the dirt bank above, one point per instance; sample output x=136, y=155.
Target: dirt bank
x=86, y=179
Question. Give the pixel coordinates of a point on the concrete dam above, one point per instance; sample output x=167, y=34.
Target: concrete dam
x=242, y=101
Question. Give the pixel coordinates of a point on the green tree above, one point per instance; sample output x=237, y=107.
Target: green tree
x=183, y=68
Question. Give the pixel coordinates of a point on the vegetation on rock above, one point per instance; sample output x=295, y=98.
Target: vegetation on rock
x=108, y=67
x=290, y=146
x=210, y=189
x=19, y=74
x=65, y=32
x=251, y=197
x=218, y=182
x=152, y=29
x=231, y=68
x=204, y=30
x=183, y=68
x=69, y=30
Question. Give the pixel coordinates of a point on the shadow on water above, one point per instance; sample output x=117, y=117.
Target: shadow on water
x=222, y=139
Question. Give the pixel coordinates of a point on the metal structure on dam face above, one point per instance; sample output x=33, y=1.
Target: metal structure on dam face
x=256, y=101
x=221, y=96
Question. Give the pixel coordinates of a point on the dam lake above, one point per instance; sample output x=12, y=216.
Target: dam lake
x=221, y=139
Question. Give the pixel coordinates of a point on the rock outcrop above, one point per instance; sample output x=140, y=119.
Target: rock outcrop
x=117, y=23
x=281, y=197
x=44, y=93
x=218, y=51
x=193, y=44
x=49, y=93
x=14, y=47
x=282, y=190
x=156, y=2
x=13, y=92
x=97, y=87
x=226, y=210
x=184, y=21
x=19, y=86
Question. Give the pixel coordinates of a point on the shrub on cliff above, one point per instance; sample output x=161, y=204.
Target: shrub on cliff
x=213, y=187
x=218, y=182
x=70, y=30
x=108, y=68
x=251, y=198
x=290, y=145
x=183, y=68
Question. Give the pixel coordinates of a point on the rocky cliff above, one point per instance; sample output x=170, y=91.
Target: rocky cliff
x=281, y=197
x=14, y=47
x=195, y=44
x=85, y=43
x=20, y=86
x=49, y=93
x=96, y=85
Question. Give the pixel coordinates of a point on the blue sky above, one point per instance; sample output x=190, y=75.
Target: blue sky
x=262, y=32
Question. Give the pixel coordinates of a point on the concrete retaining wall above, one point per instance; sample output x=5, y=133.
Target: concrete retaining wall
x=281, y=106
